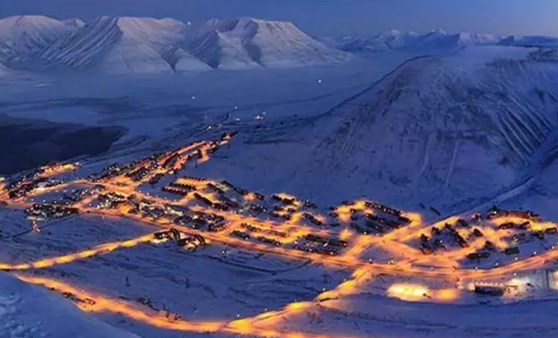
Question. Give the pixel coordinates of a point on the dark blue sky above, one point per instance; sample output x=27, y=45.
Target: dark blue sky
x=325, y=17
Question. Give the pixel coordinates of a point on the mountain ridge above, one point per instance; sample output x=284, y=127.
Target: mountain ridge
x=149, y=45
x=434, y=40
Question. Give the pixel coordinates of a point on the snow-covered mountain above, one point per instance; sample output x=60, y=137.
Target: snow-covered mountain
x=248, y=43
x=447, y=131
x=432, y=41
x=148, y=45
x=528, y=41
x=120, y=45
x=28, y=33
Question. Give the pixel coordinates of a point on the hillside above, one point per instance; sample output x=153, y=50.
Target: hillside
x=444, y=134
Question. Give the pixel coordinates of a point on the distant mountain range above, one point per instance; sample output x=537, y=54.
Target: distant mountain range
x=146, y=45
x=432, y=41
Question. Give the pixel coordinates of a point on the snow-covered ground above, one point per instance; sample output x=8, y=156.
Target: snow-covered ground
x=31, y=311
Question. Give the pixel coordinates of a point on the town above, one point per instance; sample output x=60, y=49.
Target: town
x=478, y=253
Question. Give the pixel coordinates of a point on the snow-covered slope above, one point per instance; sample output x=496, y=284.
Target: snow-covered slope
x=74, y=23
x=84, y=47
x=4, y=72
x=28, y=33
x=30, y=311
x=222, y=50
x=121, y=45
x=248, y=42
x=446, y=131
x=142, y=43
x=5, y=52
